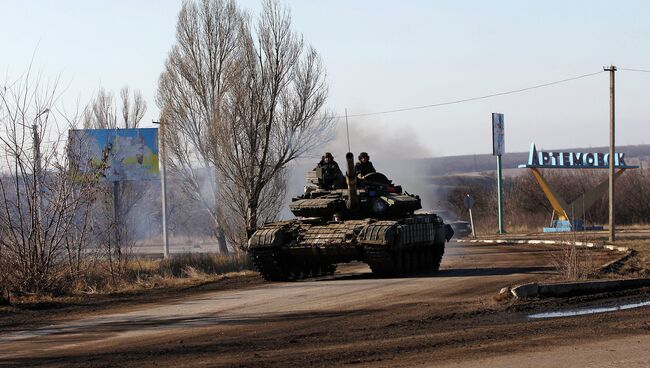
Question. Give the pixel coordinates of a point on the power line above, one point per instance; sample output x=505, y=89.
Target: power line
x=635, y=70
x=472, y=98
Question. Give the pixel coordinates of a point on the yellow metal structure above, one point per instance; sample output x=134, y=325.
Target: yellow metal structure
x=559, y=205
x=578, y=207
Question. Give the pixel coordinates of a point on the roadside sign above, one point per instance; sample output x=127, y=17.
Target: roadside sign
x=469, y=202
x=498, y=141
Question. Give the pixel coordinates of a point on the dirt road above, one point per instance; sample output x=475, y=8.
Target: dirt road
x=447, y=318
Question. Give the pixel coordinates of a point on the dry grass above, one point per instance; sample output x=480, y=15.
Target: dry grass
x=144, y=273
x=574, y=263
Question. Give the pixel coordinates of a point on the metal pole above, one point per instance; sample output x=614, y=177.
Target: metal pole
x=163, y=187
x=471, y=221
x=500, y=195
x=612, y=231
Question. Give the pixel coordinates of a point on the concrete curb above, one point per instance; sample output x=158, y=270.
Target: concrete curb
x=609, y=265
x=534, y=289
x=550, y=242
x=613, y=265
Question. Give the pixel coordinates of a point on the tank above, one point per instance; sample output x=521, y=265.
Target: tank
x=341, y=219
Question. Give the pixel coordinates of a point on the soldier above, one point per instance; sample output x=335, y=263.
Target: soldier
x=364, y=166
x=327, y=159
x=329, y=175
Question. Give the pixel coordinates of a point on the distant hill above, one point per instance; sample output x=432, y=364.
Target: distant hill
x=450, y=165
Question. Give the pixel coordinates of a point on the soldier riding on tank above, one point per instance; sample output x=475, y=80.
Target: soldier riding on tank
x=328, y=173
x=363, y=167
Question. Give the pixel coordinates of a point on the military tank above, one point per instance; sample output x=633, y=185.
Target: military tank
x=340, y=220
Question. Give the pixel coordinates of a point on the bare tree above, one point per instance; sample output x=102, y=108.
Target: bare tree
x=190, y=92
x=44, y=211
x=102, y=111
x=240, y=104
x=274, y=113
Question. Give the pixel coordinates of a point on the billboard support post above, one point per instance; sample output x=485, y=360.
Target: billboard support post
x=116, y=213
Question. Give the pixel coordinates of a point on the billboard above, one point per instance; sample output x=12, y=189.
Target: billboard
x=498, y=141
x=100, y=155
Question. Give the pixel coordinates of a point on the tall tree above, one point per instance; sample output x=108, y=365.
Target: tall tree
x=190, y=92
x=274, y=113
x=239, y=103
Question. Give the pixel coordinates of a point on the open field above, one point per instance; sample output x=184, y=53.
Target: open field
x=449, y=318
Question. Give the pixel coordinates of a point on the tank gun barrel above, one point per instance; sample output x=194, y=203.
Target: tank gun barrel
x=351, y=179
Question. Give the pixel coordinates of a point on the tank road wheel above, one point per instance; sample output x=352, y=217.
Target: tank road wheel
x=422, y=259
x=380, y=261
x=270, y=264
x=406, y=261
x=296, y=270
x=329, y=269
x=315, y=269
x=438, y=252
x=398, y=261
x=414, y=259
x=428, y=259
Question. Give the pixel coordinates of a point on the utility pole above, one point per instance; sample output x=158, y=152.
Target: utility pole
x=163, y=187
x=612, y=231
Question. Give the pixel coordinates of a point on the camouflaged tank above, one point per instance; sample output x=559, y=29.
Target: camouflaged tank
x=373, y=222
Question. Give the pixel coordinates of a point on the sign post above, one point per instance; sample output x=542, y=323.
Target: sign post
x=469, y=203
x=498, y=148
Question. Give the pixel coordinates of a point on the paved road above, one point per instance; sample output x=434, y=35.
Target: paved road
x=470, y=275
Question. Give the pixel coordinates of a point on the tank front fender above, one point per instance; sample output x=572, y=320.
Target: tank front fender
x=380, y=233
x=266, y=238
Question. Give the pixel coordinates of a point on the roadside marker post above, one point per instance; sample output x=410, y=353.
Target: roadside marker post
x=469, y=203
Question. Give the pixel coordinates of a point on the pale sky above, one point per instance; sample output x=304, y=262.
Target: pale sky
x=384, y=55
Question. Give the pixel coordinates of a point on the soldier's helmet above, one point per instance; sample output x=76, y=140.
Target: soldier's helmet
x=364, y=154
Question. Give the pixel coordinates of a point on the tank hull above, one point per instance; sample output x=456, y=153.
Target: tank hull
x=310, y=247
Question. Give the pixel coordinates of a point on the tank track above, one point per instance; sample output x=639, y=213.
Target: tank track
x=385, y=262
x=274, y=266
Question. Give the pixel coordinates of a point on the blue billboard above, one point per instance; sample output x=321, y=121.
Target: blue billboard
x=114, y=154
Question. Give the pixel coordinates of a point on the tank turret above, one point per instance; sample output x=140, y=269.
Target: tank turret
x=341, y=219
